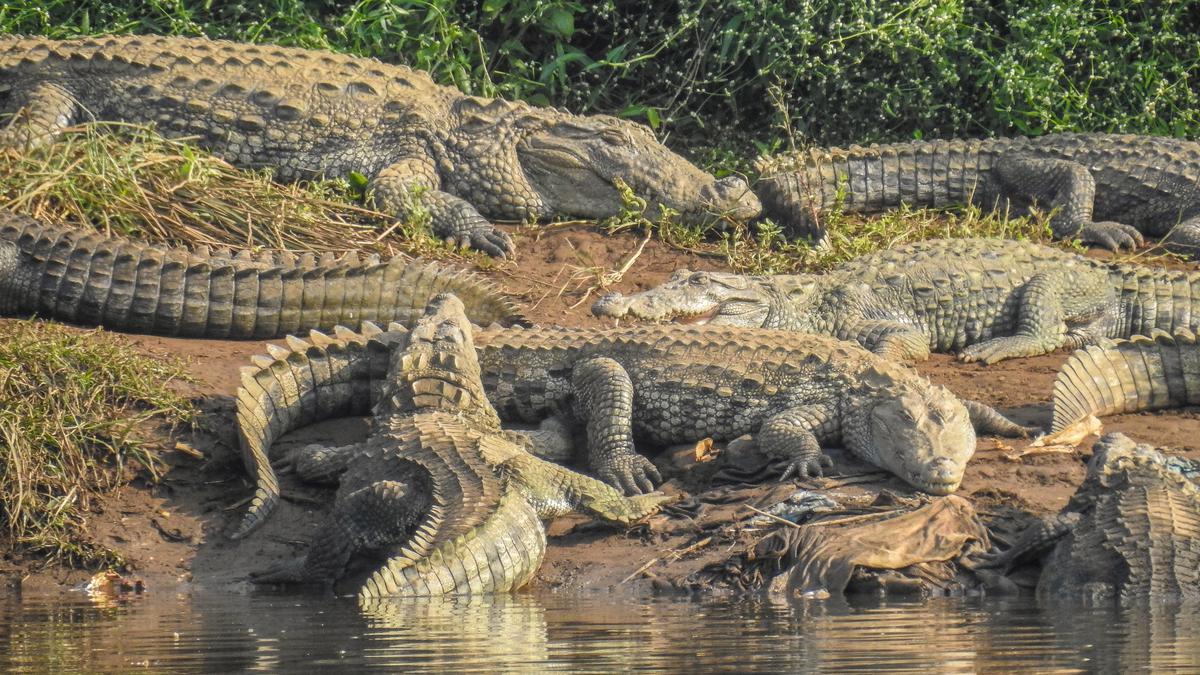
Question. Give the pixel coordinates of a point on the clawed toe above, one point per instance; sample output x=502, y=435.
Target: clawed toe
x=806, y=467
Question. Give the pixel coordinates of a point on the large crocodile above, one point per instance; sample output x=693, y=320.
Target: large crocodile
x=304, y=113
x=86, y=277
x=989, y=299
x=666, y=386
x=438, y=484
x=1105, y=189
x=1131, y=532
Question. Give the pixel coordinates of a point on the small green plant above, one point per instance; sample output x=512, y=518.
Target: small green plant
x=665, y=224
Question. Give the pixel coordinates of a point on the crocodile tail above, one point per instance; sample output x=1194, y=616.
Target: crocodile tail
x=499, y=555
x=798, y=187
x=86, y=277
x=1142, y=373
x=1156, y=299
x=299, y=385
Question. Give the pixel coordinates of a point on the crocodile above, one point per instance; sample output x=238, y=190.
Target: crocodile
x=458, y=507
x=1130, y=533
x=426, y=149
x=662, y=385
x=1105, y=189
x=85, y=277
x=988, y=299
x=1147, y=372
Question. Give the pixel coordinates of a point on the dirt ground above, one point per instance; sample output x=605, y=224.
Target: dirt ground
x=174, y=531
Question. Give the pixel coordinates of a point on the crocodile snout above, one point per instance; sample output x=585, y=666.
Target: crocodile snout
x=732, y=197
x=613, y=305
x=942, y=476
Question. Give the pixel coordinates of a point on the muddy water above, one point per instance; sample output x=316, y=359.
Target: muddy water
x=231, y=632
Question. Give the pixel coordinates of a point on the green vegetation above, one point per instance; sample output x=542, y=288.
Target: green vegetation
x=837, y=71
x=72, y=405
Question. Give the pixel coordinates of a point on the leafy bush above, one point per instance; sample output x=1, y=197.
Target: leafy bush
x=832, y=71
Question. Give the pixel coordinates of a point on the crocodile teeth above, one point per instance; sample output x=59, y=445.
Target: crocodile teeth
x=697, y=319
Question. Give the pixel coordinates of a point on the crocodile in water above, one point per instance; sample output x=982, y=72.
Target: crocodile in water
x=456, y=505
x=1131, y=532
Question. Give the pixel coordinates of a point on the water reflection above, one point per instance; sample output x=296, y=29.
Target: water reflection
x=229, y=632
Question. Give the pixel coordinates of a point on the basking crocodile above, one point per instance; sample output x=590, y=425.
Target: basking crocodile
x=425, y=147
x=85, y=277
x=666, y=386
x=989, y=299
x=438, y=481
x=1105, y=189
x=1152, y=372
x=1131, y=532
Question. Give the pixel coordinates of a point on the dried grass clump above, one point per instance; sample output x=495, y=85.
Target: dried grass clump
x=127, y=180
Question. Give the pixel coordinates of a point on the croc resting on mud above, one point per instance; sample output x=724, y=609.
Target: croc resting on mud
x=425, y=148
x=82, y=276
x=1131, y=532
x=1106, y=189
x=989, y=299
x=664, y=385
x=456, y=505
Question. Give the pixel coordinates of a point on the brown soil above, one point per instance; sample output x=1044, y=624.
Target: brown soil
x=173, y=531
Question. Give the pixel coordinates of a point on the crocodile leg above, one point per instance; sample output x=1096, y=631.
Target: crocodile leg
x=793, y=435
x=1034, y=541
x=1042, y=313
x=890, y=339
x=1184, y=238
x=410, y=185
x=987, y=420
x=604, y=401
x=44, y=110
x=382, y=513
x=556, y=490
x=1068, y=189
x=552, y=440
x=316, y=463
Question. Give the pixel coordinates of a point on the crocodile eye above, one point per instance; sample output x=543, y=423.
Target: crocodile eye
x=699, y=279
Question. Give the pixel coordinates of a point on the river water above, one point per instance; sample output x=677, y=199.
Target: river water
x=229, y=632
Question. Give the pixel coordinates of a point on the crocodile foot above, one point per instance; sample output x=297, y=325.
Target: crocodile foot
x=1003, y=348
x=470, y=230
x=287, y=572
x=806, y=467
x=632, y=474
x=1112, y=236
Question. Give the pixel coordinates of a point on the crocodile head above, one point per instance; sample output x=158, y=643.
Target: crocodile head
x=1115, y=457
x=573, y=163
x=918, y=431
x=717, y=298
x=437, y=368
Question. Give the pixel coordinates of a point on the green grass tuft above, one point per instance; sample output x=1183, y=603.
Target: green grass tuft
x=72, y=406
